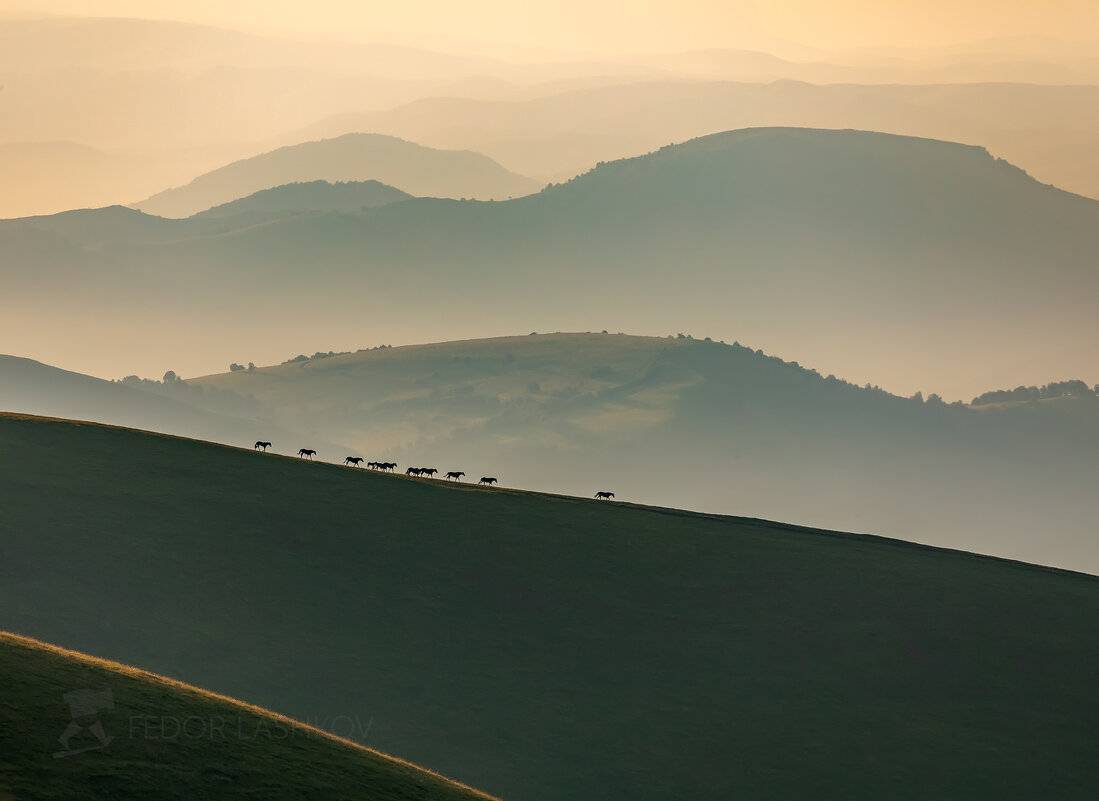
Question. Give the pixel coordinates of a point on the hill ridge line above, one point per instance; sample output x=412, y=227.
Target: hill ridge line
x=31, y=643
x=755, y=522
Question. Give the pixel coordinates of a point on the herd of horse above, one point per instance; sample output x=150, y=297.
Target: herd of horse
x=389, y=467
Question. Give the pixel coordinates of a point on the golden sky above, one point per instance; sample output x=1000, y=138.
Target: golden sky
x=629, y=25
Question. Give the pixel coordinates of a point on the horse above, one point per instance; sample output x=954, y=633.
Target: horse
x=353, y=460
x=413, y=471
x=487, y=480
x=263, y=445
x=372, y=465
x=457, y=476
x=306, y=452
x=604, y=496
x=428, y=471
x=387, y=466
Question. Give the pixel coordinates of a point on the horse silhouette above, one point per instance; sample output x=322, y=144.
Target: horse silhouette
x=387, y=467
x=413, y=471
x=428, y=471
x=372, y=465
x=263, y=445
x=604, y=496
x=354, y=460
x=456, y=476
x=306, y=452
x=487, y=480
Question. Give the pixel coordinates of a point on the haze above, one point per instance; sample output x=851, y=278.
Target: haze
x=613, y=26
x=158, y=106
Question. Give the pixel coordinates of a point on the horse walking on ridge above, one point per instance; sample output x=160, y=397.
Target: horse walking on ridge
x=306, y=452
x=428, y=471
x=353, y=460
x=260, y=444
x=386, y=467
x=604, y=496
x=455, y=476
x=487, y=480
x=413, y=471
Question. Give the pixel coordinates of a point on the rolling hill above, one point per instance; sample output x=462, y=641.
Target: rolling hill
x=29, y=387
x=546, y=647
x=348, y=197
x=711, y=427
x=167, y=740
x=352, y=157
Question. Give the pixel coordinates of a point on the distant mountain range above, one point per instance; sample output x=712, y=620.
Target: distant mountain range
x=353, y=157
x=561, y=134
x=102, y=111
x=870, y=256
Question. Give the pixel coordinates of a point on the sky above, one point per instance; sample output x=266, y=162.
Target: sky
x=626, y=25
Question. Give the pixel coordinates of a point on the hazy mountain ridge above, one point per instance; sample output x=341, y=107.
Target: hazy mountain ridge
x=160, y=102
x=899, y=247
x=352, y=157
x=1052, y=131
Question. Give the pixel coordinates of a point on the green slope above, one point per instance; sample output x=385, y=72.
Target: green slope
x=710, y=427
x=167, y=740
x=545, y=647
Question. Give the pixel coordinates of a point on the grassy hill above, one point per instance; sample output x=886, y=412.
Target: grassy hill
x=353, y=157
x=168, y=740
x=545, y=647
x=30, y=387
x=834, y=247
x=711, y=427
x=348, y=197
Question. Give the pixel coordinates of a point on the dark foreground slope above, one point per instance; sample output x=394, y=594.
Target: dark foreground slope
x=546, y=647
x=167, y=740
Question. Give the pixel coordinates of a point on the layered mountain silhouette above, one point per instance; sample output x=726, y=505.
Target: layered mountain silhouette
x=913, y=263
x=565, y=132
x=349, y=197
x=353, y=157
